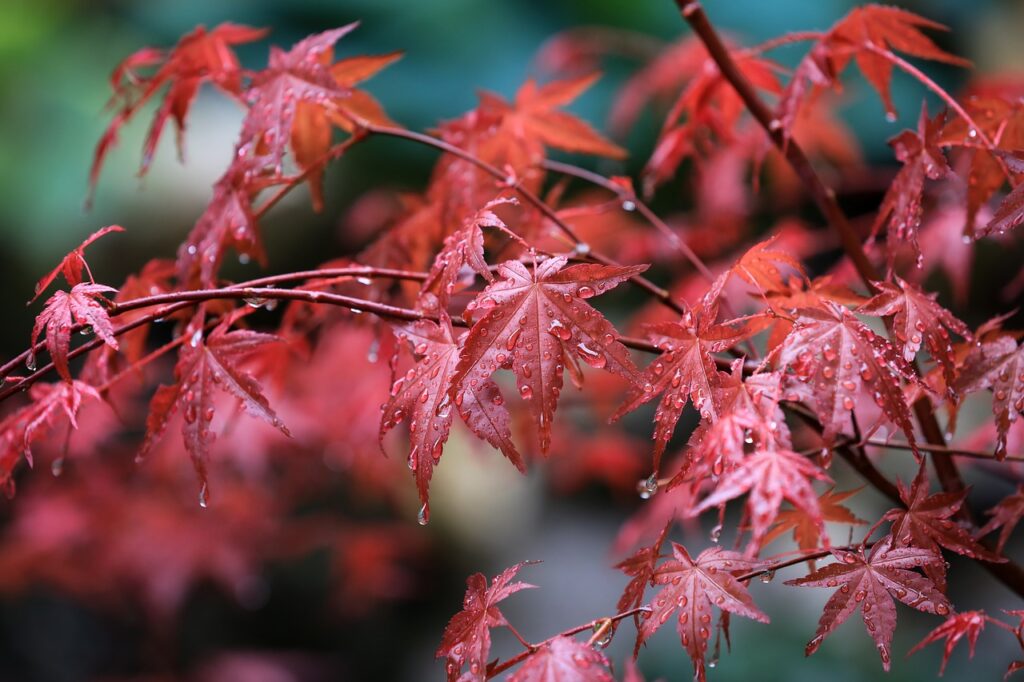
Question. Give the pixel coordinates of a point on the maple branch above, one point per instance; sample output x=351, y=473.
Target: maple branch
x=499, y=668
x=663, y=295
x=825, y=198
x=811, y=555
x=948, y=449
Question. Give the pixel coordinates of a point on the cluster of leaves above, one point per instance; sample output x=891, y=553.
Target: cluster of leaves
x=482, y=294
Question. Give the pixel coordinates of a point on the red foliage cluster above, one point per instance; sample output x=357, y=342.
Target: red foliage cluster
x=483, y=294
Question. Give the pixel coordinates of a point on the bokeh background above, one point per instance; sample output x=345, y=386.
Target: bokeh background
x=55, y=56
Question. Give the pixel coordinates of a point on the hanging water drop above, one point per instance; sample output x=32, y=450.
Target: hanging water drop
x=628, y=205
x=203, y=495
x=255, y=301
x=767, y=576
x=716, y=533
x=647, y=487
x=57, y=467
x=423, y=517
x=30, y=362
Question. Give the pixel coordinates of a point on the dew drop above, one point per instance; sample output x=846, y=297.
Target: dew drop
x=585, y=292
x=30, y=362
x=628, y=205
x=647, y=487
x=767, y=576
x=423, y=517
x=526, y=392
x=203, y=495
x=716, y=533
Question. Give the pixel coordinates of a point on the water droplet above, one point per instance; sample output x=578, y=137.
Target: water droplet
x=87, y=330
x=57, y=467
x=591, y=356
x=585, y=292
x=423, y=517
x=716, y=533
x=966, y=239
x=890, y=116
x=767, y=576
x=203, y=495
x=582, y=249
x=30, y=361
x=255, y=301
x=628, y=205
x=526, y=392
x=647, y=487
x=197, y=336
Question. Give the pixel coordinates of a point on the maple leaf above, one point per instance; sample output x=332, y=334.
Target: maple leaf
x=685, y=371
x=71, y=265
x=957, y=626
x=83, y=305
x=20, y=428
x=692, y=586
x=870, y=582
x=917, y=319
x=1005, y=515
x=1010, y=213
x=640, y=567
x=467, y=638
x=201, y=56
x=925, y=523
x=806, y=531
x=531, y=320
x=563, y=659
x=759, y=266
x=998, y=365
x=770, y=476
x=838, y=356
x=901, y=208
x=868, y=35
x=204, y=367
x=533, y=116
x=423, y=395
x=298, y=75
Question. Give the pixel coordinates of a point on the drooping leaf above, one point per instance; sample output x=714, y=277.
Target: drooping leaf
x=467, y=638
x=529, y=319
x=640, y=568
x=72, y=264
x=918, y=319
x=769, y=476
x=968, y=624
x=691, y=586
x=926, y=523
x=84, y=305
x=839, y=357
x=564, y=659
x=869, y=581
x=1005, y=515
x=998, y=365
x=922, y=158
x=423, y=396
x=199, y=57
x=206, y=366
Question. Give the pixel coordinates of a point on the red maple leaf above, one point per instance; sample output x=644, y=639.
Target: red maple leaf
x=869, y=582
x=1010, y=213
x=926, y=523
x=20, y=428
x=691, y=587
x=998, y=365
x=918, y=319
x=531, y=320
x=204, y=367
x=71, y=265
x=922, y=158
x=838, y=357
x=1005, y=515
x=640, y=567
x=298, y=75
x=467, y=638
x=770, y=476
x=83, y=305
x=806, y=530
x=199, y=57
x=685, y=371
x=564, y=659
x=423, y=396
x=968, y=624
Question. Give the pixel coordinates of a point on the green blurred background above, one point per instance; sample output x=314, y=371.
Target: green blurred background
x=55, y=57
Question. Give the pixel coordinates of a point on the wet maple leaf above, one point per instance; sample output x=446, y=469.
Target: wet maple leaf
x=998, y=365
x=691, y=586
x=1010, y=213
x=529, y=319
x=918, y=319
x=423, y=396
x=769, y=476
x=869, y=582
x=564, y=659
x=534, y=117
x=870, y=36
x=199, y=57
x=806, y=531
x=759, y=266
x=1005, y=515
x=83, y=305
x=968, y=624
x=640, y=567
x=467, y=638
x=298, y=75
x=71, y=265
x=926, y=523
x=20, y=428
x=922, y=158
x=204, y=367
x=685, y=371
x=838, y=356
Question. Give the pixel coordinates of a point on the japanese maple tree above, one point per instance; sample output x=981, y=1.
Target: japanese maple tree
x=781, y=369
